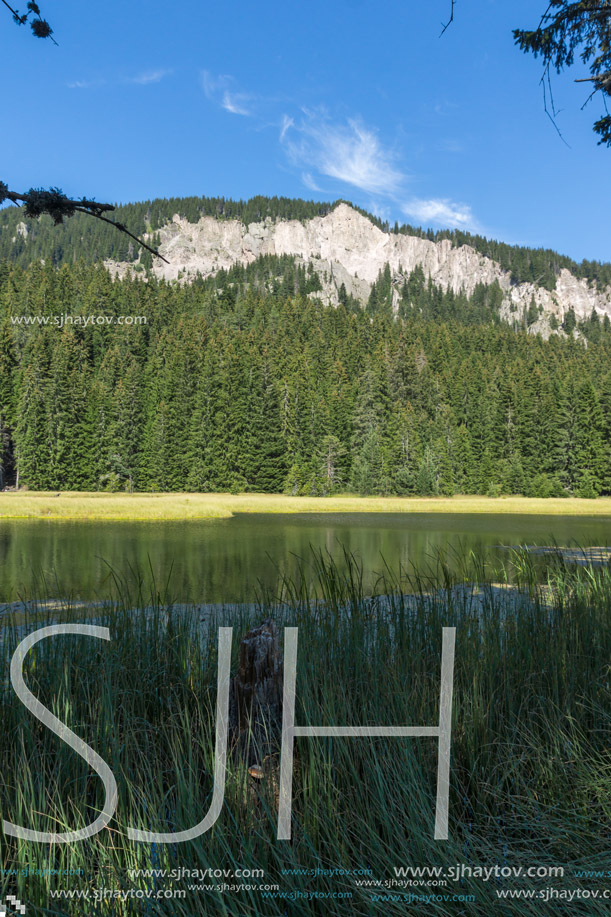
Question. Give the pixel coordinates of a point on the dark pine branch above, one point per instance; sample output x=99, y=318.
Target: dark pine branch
x=568, y=30
x=40, y=27
x=450, y=20
x=54, y=203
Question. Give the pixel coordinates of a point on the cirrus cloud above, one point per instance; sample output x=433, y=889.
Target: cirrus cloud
x=140, y=79
x=440, y=212
x=149, y=76
x=349, y=152
x=222, y=91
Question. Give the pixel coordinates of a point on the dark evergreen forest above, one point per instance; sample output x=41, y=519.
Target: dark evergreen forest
x=245, y=382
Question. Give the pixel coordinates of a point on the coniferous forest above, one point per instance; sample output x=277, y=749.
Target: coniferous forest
x=245, y=382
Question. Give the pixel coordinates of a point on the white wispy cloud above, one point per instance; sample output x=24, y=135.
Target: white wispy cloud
x=236, y=103
x=140, y=79
x=440, y=212
x=222, y=91
x=86, y=84
x=352, y=153
x=349, y=152
x=309, y=182
x=381, y=211
x=287, y=124
x=149, y=76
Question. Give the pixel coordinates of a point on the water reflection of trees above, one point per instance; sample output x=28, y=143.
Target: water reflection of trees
x=230, y=560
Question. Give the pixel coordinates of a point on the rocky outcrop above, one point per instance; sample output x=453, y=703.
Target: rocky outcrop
x=22, y=230
x=346, y=247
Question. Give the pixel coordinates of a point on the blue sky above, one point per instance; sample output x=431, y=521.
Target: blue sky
x=332, y=98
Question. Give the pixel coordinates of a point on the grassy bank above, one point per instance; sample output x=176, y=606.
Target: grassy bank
x=178, y=506
x=529, y=759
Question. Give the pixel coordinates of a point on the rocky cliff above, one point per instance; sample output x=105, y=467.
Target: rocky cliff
x=346, y=247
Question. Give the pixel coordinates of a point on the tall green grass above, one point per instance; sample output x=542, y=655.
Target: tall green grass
x=530, y=772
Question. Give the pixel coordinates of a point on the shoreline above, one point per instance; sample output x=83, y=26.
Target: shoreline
x=180, y=507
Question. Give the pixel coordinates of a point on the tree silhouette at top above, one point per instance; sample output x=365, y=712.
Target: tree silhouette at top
x=567, y=30
x=54, y=202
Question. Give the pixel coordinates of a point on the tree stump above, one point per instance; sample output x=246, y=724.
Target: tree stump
x=255, y=700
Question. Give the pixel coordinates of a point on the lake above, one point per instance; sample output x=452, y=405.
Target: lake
x=229, y=560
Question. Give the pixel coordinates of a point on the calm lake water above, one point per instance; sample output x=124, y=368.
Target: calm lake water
x=230, y=560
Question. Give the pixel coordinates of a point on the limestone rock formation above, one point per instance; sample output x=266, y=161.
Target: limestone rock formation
x=345, y=247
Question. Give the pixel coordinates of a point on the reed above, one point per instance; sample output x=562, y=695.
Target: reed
x=530, y=774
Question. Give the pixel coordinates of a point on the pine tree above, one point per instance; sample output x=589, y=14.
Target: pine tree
x=589, y=442
x=271, y=466
x=570, y=321
x=200, y=449
x=368, y=476
x=32, y=434
x=331, y=453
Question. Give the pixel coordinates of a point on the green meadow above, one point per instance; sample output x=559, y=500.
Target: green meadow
x=182, y=506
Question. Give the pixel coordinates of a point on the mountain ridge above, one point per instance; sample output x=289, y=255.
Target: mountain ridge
x=346, y=248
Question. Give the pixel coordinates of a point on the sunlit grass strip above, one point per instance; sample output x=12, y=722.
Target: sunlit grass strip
x=175, y=506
